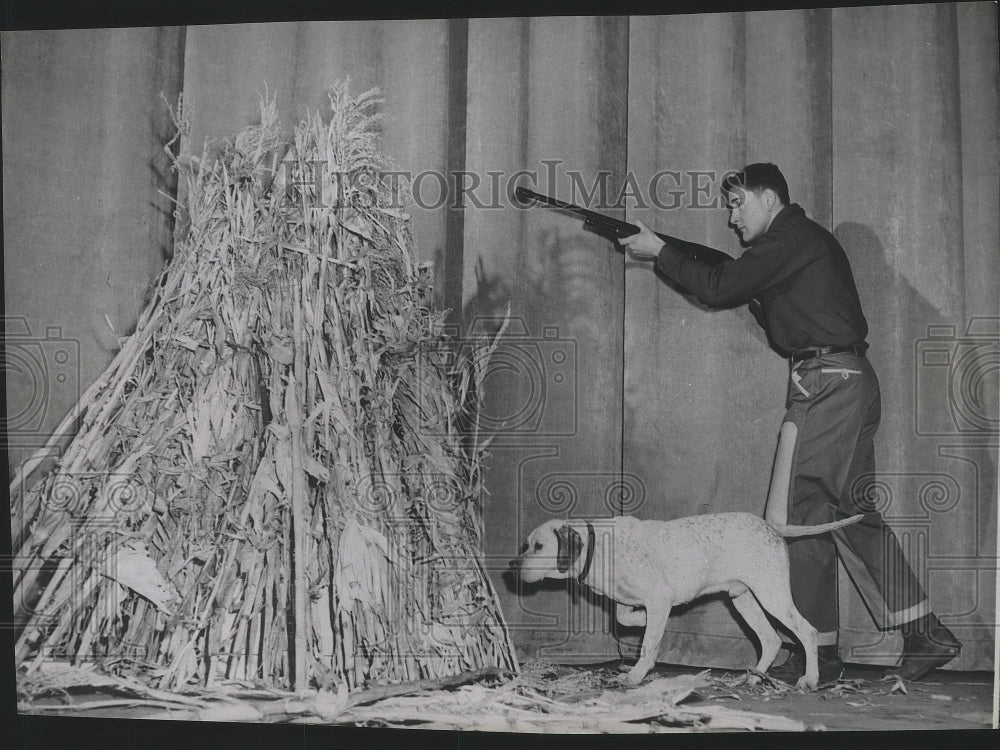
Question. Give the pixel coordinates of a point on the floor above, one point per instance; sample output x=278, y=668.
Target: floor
x=861, y=700
x=570, y=697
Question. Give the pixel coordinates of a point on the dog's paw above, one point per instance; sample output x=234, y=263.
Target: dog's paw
x=804, y=683
x=633, y=677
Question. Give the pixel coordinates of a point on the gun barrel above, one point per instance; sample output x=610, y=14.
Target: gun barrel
x=594, y=219
x=525, y=195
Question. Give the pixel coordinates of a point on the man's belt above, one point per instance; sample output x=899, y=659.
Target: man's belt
x=821, y=351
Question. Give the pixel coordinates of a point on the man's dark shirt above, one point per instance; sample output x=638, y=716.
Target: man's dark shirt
x=798, y=272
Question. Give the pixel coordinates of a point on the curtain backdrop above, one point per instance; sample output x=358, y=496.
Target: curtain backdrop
x=86, y=208
x=612, y=393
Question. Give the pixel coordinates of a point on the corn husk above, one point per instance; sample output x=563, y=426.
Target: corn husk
x=277, y=479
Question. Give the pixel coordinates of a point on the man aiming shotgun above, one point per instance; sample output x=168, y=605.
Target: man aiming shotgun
x=799, y=285
x=615, y=229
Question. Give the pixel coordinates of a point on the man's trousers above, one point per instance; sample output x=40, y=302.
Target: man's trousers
x=825, y=471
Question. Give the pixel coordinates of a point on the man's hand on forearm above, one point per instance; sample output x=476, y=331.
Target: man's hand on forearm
x=642, y=246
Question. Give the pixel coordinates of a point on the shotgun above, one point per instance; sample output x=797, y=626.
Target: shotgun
x=613, y=229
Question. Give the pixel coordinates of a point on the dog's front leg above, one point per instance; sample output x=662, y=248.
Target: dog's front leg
x=656, y=623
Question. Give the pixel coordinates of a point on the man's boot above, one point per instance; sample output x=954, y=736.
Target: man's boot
x=927, y=645
x=830, y=666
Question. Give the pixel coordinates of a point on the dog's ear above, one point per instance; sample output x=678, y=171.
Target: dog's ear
x=570, y=546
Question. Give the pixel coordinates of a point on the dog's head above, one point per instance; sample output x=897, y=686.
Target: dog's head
x=552, y=551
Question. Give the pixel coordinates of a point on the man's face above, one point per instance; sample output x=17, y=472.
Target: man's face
x=748, y=213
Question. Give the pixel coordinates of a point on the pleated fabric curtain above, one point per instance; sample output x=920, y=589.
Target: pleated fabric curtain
x=911, y=89
x=87, y=213
x=546, y=97
x=612, y=393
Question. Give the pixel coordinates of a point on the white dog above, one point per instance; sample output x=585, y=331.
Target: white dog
x=655, y=565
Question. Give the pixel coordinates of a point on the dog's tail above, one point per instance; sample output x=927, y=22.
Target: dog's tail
x=822, y=528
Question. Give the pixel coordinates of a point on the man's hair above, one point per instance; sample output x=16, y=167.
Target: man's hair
x=758, y=177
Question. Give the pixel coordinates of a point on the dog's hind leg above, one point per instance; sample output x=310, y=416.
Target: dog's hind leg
x=746, y=604
x=806, y=634
x=780, y=605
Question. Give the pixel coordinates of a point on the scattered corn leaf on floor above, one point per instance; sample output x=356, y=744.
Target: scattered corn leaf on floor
x=552, y=698
x=864, y=700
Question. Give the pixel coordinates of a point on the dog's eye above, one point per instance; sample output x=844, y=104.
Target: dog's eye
x=537, y=547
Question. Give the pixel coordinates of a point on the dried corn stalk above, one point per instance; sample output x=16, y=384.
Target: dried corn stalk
x=268, y=484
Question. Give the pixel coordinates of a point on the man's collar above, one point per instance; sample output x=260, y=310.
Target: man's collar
x=784, y=214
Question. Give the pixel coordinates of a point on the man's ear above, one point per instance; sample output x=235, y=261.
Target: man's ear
x=570, y=546
x=771, y=200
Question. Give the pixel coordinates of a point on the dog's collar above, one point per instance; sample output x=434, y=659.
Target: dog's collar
x=590, y=552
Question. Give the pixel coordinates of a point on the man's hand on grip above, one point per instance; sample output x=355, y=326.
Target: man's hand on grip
x=642, y=246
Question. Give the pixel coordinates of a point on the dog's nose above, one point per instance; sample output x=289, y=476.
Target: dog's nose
x=514, y=564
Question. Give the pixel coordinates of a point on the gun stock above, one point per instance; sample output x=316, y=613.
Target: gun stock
x=615, y=229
